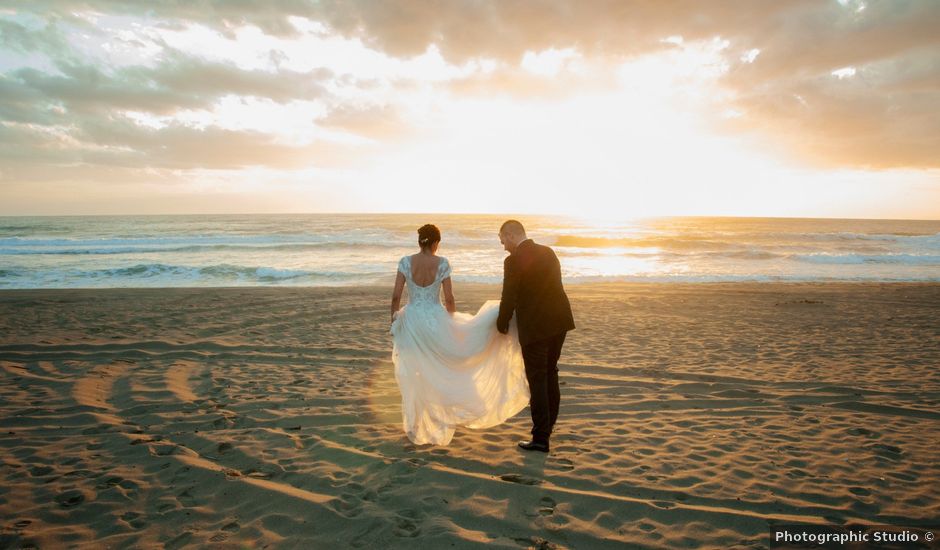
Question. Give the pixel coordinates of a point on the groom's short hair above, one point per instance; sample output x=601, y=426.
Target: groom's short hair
x=512, y=227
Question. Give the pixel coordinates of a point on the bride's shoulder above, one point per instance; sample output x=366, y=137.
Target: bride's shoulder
x=444, y=267
x=404, y=262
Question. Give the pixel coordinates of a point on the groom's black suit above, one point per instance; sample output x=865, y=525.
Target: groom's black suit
x=532, y=289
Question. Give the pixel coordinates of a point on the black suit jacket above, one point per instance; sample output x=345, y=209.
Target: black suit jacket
x=532, y=288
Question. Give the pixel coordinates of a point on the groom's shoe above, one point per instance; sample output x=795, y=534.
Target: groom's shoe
x=534, y=446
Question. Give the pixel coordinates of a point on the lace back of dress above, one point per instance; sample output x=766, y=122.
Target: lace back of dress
x=422, y=295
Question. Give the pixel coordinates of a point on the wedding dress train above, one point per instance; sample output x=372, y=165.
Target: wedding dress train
x=453, y=369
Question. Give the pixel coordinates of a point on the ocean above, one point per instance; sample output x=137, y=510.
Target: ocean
x=355, y=249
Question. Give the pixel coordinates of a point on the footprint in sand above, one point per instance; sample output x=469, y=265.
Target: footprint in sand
x=70, y=498
x=164, y=450
x=186, y=499
x=412, y=514
x=260, y=474
x=547, y=506
x=563, y=464
x=99, y=429
x=134, y=520
x=348, y=505
x=521, y=479
x=903, y=476
x=110, y=482
x=180, y=540
x=406, y=528
x=364, y=537
x=887, y=451
x=223, y=422
x=863, y=431
x=537, y=542
x=37, y=471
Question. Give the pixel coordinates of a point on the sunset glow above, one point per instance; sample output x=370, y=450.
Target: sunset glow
x=172, y=110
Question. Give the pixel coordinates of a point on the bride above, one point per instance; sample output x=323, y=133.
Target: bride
x=452, y=368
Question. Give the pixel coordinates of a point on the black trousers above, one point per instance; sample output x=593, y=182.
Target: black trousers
x=541, y=370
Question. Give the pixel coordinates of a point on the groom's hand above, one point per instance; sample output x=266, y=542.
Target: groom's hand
x=507, y=301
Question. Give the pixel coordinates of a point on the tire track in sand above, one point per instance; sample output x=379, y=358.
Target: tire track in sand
x=177, y=380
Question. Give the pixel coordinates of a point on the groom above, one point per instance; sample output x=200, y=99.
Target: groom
x=532, y=289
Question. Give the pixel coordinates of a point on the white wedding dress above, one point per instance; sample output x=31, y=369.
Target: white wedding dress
x=453, y=370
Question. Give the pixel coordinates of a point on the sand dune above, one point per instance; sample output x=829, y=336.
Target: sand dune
x=692, y=416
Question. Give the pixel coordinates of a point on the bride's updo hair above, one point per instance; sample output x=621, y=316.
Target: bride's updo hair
x=428, y=234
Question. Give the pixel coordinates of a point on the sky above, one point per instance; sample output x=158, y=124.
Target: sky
x=595, y=108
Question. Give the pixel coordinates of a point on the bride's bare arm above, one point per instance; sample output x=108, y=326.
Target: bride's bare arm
x=396, y=294
x=449, y=302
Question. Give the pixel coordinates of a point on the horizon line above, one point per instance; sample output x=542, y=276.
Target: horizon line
x=512, y=214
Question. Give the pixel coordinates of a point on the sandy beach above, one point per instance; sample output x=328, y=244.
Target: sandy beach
x=692, y=415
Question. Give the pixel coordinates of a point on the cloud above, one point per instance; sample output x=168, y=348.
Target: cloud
x=840, y=122
x=507, y=30
x=794, y=34
x=182, y=147
x=523, y=85
x=819, y=39
x=179, y=82
x=845, y=87
x=78, y=116
x=882, y=116
x=491, y=28
x=19, y=38
x=121, y=143
x=375, y=122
